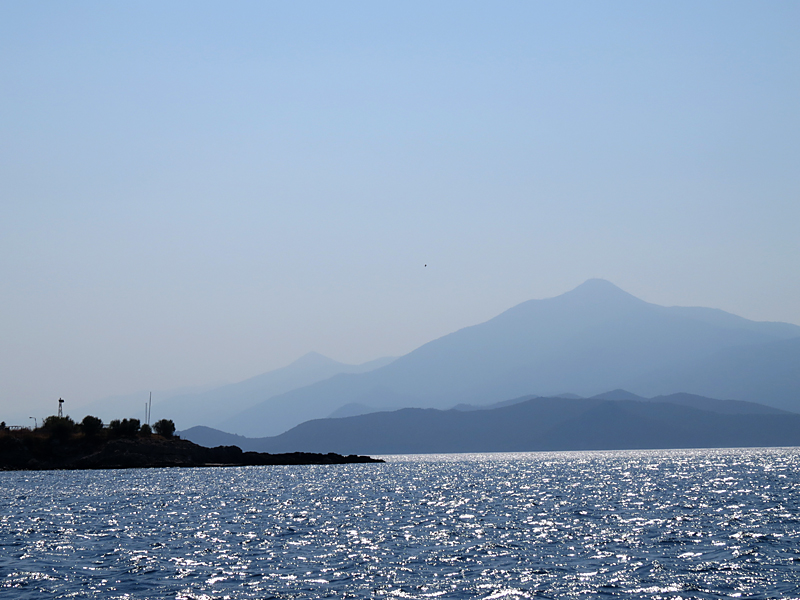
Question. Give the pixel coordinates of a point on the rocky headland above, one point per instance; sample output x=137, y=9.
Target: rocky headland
x=41, y=450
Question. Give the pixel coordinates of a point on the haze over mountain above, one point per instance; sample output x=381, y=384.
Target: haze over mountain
x=767, y=372
x=126, y=406
x=215, y=405
x=675, y=421
x=594, y=338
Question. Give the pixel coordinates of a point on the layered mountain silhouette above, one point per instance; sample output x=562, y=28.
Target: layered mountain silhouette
x=215, y=405
x=594, y=338
x=537, y=424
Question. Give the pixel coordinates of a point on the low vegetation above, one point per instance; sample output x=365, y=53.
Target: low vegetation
x=165, y=428
x=61, y=443
x=90, y=429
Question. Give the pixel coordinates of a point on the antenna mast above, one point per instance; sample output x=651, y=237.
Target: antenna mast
x=60, y=409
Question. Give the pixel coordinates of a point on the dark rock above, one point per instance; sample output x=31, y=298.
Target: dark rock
x=28, y=451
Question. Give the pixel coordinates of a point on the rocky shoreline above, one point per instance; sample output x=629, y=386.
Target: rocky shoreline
x=28, y=453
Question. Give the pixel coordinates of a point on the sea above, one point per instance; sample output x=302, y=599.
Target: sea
x=633, y=524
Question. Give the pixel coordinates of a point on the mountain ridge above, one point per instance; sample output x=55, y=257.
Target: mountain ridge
x=538, y=424
x=214, y=404
x=593, y=338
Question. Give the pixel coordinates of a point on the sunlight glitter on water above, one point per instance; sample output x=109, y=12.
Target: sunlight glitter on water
x=666, y=524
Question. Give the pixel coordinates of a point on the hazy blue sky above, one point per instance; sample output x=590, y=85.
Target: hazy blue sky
x=194, y=192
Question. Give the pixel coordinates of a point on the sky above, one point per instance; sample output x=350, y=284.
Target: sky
x=198, y=192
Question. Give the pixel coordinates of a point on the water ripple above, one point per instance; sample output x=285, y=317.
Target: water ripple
x=661, y=524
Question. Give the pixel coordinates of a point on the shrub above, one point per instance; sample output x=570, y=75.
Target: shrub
x=91, y=426
x=145, y=430
x=165, y=427
x=126, y=427
x=58, y=427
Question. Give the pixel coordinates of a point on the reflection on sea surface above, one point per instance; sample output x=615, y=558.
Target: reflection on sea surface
x=650, y=524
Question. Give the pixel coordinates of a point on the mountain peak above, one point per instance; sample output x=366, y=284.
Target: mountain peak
x=314, y=359
x=598, y=286
x=599, y=289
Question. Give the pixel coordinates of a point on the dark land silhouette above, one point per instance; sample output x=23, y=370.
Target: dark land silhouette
x=63, y=444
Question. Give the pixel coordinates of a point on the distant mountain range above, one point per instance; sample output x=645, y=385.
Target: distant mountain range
x=615, y=420
x=215, y=405
x=593, y=338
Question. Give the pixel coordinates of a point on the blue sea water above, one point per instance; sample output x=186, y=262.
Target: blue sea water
x=642, y=524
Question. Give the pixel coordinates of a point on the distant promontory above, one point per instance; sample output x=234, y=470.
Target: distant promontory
x=62, y=444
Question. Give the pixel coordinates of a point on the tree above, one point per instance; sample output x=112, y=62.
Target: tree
x=164, y=427
x=126, y=427
x=91, y=426
x=146, y=430
x=58, y=427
